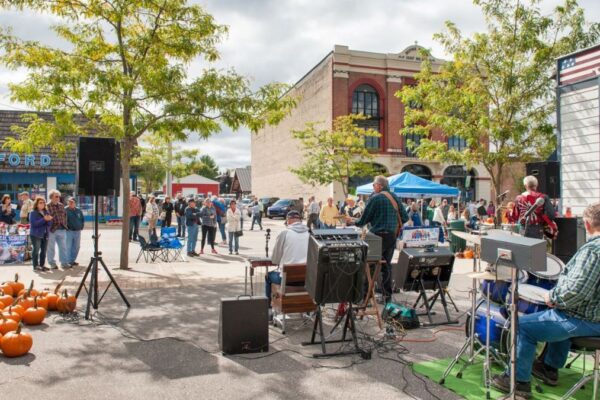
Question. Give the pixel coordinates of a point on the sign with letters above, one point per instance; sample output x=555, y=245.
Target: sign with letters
x=27, y=160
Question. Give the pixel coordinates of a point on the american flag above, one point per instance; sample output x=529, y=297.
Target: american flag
x=579, y=66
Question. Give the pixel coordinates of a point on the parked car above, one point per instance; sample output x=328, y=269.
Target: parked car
x=267, y=202
x=283, y=206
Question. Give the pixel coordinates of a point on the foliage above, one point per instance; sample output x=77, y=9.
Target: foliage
x=335, y=155
x=124, y=68
x=205, y=166
x=497, y=92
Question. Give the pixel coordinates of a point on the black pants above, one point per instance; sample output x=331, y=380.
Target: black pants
x=208, y=232
x=38, y=254
x=388, y=246
x=312, y=220
x=534, y=231
x=167, y=221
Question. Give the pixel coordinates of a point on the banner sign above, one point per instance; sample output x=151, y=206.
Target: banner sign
x=12, y=248
x=420, y=237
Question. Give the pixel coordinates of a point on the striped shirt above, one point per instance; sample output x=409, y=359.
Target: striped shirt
x=577, y=292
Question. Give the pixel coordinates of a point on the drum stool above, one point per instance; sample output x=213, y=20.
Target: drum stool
x=583, y=345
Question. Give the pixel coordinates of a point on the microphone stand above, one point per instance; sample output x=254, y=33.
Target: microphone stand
x=267, y=237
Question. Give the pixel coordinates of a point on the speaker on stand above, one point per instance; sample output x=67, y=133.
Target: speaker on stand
x=548, y=176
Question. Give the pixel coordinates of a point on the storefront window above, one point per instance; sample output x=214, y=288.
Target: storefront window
x=456, y=176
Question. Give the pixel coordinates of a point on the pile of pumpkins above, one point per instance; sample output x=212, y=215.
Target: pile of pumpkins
x=29, y=306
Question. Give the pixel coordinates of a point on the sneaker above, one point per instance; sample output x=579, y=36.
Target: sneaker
x=237, y=253
x=214, y=251
x=195, y=254
x=75, y=264
x=545, y=373
x=502, y=383
x=66, y=266
x=36, y=268
x=191, y=254
x=230, y=253
x=53, y=266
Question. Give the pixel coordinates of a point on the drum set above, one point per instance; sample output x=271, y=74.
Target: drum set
x=488, y=324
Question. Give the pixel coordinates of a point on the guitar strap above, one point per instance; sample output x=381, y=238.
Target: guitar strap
x=395, y=205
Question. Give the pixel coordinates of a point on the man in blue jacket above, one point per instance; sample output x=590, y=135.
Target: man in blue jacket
x=75, y=223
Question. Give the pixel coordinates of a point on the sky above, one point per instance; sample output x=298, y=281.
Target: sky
x=280, y=40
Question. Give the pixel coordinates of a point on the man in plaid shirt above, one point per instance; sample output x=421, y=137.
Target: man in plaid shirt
x=58, y=231
x=574, y=311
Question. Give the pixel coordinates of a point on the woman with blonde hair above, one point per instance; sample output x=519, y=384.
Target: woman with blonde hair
x=152, y=214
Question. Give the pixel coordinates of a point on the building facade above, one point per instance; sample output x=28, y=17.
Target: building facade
x=350, y=81
x=44, y=170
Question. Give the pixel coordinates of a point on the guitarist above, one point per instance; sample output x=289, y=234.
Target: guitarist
x=385, y=216
x=542, y=220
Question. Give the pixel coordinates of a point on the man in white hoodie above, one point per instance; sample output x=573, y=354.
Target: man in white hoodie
x=291, y=247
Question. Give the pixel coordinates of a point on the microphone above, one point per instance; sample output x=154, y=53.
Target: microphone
x=503, y=194
x=538, y=203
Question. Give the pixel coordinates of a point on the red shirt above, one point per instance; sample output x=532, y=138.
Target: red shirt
x=135, y=206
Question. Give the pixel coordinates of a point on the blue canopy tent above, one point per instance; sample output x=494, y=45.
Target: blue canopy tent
x=409, y=185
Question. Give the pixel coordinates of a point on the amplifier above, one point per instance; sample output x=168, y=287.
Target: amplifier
x=244, y=325
x=527, y=253
x=335, y=269
x=375, y=247
x=571, y=236
x=336, y=234
x=416, y=263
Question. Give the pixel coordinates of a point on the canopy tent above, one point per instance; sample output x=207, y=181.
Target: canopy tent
x=409, y=185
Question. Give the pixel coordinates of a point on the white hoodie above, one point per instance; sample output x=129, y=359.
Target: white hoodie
x=291, y=245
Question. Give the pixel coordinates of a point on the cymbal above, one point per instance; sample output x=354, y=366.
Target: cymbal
x=488, y=275
x=476, y=239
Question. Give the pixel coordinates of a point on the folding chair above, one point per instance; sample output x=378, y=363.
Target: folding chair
x=171, y=244
x=149, y=251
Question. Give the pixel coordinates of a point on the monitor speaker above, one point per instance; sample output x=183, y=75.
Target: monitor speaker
x=548, y=176
x=244, y=325
x=571, y=236
x=416, y=265
x=98, y=169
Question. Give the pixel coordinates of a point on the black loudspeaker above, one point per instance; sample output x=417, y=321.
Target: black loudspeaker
x=335, y=268
x=571, y=236
x=98, y=169
x=415, y=264
x=548, y=176
x=244, y=325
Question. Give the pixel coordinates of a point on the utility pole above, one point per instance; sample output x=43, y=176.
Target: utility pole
x=169, y=167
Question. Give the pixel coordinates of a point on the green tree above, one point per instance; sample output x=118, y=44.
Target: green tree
x=497, y=92
x=125, y=70
x=335, y=155
x=205, y=166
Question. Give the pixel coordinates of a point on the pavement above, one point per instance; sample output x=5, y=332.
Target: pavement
x=166, y=344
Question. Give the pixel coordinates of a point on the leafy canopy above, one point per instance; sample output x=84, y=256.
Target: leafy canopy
x=335, y=155
x=497, y=91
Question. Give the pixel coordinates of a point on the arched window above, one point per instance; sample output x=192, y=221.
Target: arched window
x=457, y=176
x=356, y=181
x=419, y=170
x=456, y=143
x=365, y=100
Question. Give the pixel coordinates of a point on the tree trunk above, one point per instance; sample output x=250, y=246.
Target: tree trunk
x=126, y=147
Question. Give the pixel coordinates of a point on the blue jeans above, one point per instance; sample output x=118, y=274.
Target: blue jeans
x=222, y=230
x=551, y=326
x=73, y=241
x=134, y=225
x=271, y=277
x=181, y=225
x=58, y=237
x=192, y=237
x=38, y=254
x=234, y=247
x=256, y=218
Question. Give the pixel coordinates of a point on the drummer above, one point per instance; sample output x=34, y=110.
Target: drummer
x=574, y=311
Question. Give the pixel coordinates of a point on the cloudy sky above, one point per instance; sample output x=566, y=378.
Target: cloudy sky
x=280, y=40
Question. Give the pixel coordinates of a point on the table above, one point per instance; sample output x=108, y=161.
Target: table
x=252, y=264
x=370, y=296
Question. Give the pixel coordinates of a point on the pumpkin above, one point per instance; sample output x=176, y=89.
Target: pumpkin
x=7, y=325
x=18, y=309
x=53, y=297
x=490, y=220
x=66, y=303
x=468, y=253
x=6, y=289
x=10, y=314
x=42, y=301
x=31, y=290
x=25, y=301
x=16, y=344
x=16, y=286
x=5, y=299
x=34, y=315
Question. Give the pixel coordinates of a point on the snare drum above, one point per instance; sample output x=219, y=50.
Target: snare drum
x=499, y=326
x=532, y=299
x=547, y=279
x=499, y=289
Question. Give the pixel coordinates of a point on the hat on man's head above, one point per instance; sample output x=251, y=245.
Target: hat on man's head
x=293, y=215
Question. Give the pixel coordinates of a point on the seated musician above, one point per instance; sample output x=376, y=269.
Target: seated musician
x=291, y=247
x=574, y=311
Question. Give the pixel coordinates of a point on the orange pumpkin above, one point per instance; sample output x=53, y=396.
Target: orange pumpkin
x=16, y=285
x=6, y=289
x=34, y=315
x=6, y=299
x=10, y=314
x=16, y=344
x=18, y=309
x=42, y=301
x=66, y=303
x=7, y=325
x=53, y=297
x=468, y=253
x=31, y=290
x=25, y=301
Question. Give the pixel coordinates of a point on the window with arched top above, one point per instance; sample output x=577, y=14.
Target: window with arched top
x=365, y=100
x=458, y=177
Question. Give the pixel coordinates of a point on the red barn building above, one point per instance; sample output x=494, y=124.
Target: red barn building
x=194, y=184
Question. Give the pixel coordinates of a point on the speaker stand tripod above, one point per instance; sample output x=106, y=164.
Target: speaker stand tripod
x=92, y=270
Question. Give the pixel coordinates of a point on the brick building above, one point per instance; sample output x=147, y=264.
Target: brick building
x=350, y=81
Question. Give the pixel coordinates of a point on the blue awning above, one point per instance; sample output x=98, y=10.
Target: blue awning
x=409, y=185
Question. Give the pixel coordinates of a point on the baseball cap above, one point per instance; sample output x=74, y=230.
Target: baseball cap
x=293, y=214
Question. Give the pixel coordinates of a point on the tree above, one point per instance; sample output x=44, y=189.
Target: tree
x=497, y=92
x=205, y=166
x=335, y=155
x=125, y=71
